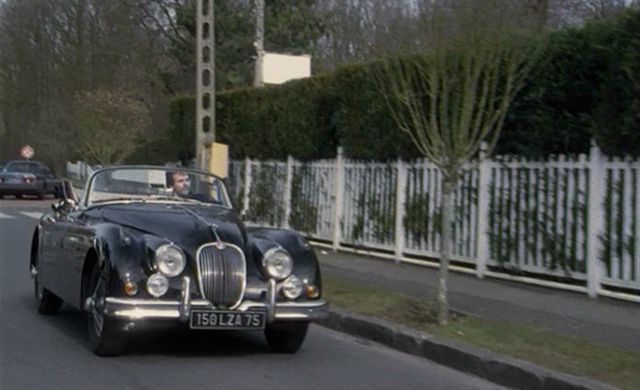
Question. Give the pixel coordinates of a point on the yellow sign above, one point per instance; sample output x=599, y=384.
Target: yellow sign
x=219, y=161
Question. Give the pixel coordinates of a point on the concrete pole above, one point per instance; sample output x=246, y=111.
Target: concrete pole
x=205, y=83
x=259, y=44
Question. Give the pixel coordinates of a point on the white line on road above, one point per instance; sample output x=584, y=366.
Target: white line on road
x=5, y=216
x=32, y=214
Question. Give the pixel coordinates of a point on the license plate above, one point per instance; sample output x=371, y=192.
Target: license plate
x=227, y=319
x=14, y=181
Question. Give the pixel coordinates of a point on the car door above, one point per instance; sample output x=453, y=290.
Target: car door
x=51, y=250
x=68, y=240
x=34, y=169
x=78, y=239
x=47, y=176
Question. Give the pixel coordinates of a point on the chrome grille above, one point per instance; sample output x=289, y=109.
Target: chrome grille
x=222, y=271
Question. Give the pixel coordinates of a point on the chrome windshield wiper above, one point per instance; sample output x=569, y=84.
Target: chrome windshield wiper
x=121, y=199
x=176, y=199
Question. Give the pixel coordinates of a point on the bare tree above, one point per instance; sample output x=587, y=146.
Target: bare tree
x=362, y=30
x=451, y=101
x=50, y=50
x=109, y=125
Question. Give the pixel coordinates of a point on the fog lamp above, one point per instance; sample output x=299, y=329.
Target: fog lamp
x=130, y=288
x=157, y=285
x=292, y=287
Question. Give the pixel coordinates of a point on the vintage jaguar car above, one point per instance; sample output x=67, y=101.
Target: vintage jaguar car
x=157, y=245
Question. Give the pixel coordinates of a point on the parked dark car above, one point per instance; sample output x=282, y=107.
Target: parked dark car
x=163, y=246
x=21, y=177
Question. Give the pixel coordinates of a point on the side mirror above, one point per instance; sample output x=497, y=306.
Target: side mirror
x=64, y=191
x=64, y=206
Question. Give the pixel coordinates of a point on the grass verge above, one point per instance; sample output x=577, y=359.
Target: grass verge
x=549, y=349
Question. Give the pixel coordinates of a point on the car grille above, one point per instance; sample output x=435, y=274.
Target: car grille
x=222, y=274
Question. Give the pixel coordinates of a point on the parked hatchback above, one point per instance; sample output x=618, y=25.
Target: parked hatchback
x=20, y=177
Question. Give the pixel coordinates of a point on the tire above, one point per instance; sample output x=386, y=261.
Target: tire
x=41, y=195
x=47, y=302
x=286, y=337
x=106, y=337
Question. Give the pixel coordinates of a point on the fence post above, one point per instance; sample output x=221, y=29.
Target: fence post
x=482, y=230
x=247, y=186
x=596, y=217
x=401, y=182
x=287, y=192
x=83, y=167
x=338, y=199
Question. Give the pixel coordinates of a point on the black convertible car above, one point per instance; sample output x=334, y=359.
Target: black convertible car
x=156, y=245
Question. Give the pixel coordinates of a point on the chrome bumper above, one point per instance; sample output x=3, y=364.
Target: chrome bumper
x=142, y=309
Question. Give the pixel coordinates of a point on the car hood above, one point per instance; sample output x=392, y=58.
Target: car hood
x=177, y=223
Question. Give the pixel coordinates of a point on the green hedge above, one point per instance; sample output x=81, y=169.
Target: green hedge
x=587, y=86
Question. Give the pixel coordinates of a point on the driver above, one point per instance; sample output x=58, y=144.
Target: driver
x=180, y=183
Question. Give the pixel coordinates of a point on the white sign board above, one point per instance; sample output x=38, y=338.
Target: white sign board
x=280, y=68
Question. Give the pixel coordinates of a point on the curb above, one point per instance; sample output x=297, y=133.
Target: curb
x=483, y=363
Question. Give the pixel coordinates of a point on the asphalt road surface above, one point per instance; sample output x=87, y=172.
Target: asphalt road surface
x=50, y=352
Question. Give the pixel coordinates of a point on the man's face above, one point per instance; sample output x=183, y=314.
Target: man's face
x=181, y=184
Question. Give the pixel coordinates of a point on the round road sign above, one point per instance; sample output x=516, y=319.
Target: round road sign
x=27, y=152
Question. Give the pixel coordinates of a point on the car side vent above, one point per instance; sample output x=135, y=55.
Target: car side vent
x=222, y=271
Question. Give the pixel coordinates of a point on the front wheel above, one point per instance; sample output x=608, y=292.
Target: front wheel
x=286, y=337
x=105, y=334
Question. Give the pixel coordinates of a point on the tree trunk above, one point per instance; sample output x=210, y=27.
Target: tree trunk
x=445, y=247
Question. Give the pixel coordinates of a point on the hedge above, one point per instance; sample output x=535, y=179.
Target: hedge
x=587, y=87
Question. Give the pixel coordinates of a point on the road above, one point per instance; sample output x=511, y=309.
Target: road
x=51, y=352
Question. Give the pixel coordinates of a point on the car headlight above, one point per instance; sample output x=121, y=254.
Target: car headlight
x=157, y=285
x=170, y=260
x=292, y=287
x=277, y=263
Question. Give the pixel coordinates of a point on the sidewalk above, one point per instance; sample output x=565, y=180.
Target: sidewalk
x=603, y=321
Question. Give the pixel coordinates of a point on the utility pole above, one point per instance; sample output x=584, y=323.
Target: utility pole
x=205, y=83
x=259, y=43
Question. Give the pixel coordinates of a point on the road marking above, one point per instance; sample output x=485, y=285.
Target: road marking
x=32, y=214
x=5, y=216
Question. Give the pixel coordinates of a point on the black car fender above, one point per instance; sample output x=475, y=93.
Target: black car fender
x=305, y=262
x=122, y=252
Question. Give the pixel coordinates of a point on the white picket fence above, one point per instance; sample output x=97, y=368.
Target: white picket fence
x=567, y=222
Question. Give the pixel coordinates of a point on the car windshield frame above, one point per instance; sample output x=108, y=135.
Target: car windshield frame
x=163, y=194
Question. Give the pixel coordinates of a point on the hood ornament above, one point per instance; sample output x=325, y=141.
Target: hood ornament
x=214, y=229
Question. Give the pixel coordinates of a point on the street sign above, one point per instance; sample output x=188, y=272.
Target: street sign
x=27, y=152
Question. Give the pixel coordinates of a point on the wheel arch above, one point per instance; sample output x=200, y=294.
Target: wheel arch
x=90, y=261
x=35, y=245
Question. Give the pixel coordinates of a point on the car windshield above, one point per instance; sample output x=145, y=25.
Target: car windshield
x=155, y=185
x=18, y=167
